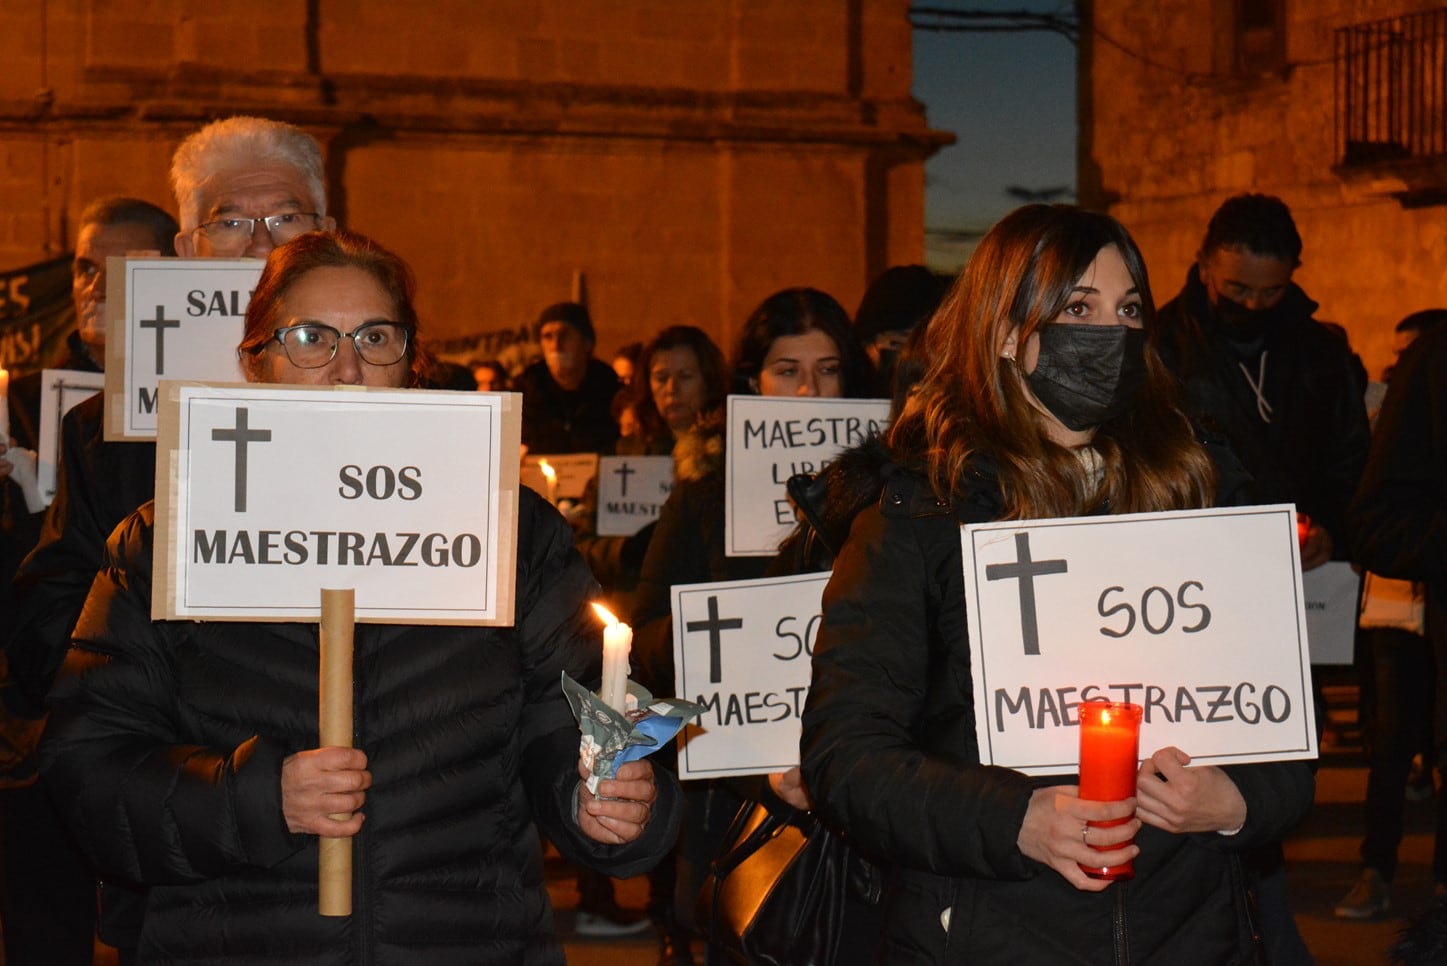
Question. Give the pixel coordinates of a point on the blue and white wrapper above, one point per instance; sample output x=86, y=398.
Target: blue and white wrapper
x=610, y=739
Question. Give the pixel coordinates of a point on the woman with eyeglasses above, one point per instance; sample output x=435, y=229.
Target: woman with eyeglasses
x=185, y=756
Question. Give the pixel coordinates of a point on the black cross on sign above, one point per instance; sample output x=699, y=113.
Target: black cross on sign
x=1027, y=570
x=715, y=628
x=242, y=435
x=160, y=323
x=625, y=471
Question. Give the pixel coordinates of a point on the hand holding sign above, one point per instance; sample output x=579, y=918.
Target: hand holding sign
x=318, y=784
x=1180, y=800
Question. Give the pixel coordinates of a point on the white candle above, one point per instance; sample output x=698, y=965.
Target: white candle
x=551, y=475
x=4, y=407
x=617, y=643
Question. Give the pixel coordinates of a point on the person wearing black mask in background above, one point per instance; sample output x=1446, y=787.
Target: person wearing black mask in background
x=1287, y=394
x=1282, y=387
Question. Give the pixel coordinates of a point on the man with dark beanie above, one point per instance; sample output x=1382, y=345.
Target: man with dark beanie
x=568, y=396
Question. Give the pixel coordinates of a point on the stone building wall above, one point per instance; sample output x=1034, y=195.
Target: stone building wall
x=1171, y=127
x=687, y=159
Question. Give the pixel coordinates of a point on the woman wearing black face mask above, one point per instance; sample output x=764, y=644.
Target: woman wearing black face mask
x=1042, y=397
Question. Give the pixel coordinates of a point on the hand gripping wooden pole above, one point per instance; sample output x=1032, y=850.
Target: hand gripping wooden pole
x=335, y=856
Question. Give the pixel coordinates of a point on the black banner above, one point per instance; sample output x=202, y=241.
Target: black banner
x=36, y=314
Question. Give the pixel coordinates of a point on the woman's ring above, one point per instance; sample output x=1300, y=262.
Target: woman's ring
x=1084, y=831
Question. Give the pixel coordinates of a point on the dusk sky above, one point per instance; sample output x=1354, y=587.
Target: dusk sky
x=1009, y=99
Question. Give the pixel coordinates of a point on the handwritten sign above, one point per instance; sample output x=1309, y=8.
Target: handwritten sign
x=575, y=471
x=265, y=494
x=1331, y=611
x=742, y=649
x=170, y=318
x=60, y=391
x=1198, y=616
x=631, y=491
x=771, y=439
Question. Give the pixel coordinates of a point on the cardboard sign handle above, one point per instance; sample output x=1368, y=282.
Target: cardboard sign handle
x=334, y=875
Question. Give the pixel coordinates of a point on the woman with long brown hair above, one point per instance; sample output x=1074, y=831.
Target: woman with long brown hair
x=1043, y=397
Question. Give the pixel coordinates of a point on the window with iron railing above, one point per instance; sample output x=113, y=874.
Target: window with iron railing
x=1391, y=90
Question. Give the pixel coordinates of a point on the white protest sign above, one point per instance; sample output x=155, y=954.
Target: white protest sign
x=265, y=494
x=1331, y=611
x=631, y=491
x=741, y=648
x=1196, y=615
x=773, y=438
x=60, y=391
x=574, y=471
x=170, y=318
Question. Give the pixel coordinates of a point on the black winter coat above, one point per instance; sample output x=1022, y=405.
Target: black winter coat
x=556, y=420
x=100, y=484
x=1399, y=516
x=1314, y=449
x=890, y=756
x=166, y=743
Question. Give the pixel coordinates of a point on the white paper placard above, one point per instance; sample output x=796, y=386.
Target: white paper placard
x=742, y=649
x=631, y=491
x=170, y=318
x=575, y=471
x=1197, y=615
x=265, y=494
x=60, y=391
x=772, y=438
x=1331, y=611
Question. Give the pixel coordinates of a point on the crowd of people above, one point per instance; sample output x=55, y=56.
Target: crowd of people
x=176, y=765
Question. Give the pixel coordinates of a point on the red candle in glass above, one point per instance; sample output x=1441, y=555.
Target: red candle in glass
x=1109, y=758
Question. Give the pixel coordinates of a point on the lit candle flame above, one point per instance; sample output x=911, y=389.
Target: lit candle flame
x=548, y=470
x=605, y=614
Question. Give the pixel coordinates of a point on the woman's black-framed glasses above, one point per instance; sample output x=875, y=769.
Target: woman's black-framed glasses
x=311, y=345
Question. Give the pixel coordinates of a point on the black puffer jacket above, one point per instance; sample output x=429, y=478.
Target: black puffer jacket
x=890, y=755
x=166, y=742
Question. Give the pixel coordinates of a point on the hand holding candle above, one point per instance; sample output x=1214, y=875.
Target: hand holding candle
x=1109, y=755
x=617, y=643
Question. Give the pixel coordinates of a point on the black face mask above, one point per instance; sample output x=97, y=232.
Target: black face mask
x=1088, y=374
x=1243, y=325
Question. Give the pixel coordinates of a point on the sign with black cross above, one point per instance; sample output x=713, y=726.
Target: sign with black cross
x=60, y=391
x=265, y=494
x=1198, y=616
x=742, y=649
x=170, y=318
x=772, y=438
x=631, y=492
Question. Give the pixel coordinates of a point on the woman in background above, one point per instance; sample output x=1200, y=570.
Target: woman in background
x=798, y=342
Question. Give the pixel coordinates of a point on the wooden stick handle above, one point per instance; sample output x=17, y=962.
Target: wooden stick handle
x=334, y=875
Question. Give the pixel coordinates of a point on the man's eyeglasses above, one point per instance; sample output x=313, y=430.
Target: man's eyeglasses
x=312, y=345
x=234, y=234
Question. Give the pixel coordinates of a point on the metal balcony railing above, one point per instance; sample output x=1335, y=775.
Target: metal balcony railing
x=1391, y=89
